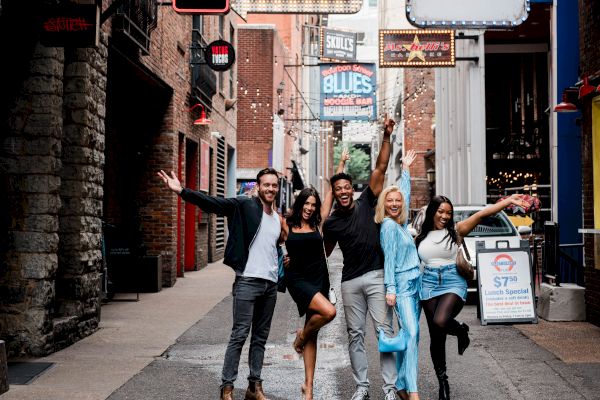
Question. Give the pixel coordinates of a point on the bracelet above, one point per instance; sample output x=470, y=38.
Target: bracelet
x=386, y=141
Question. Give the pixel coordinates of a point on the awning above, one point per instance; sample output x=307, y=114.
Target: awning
x=297, y=177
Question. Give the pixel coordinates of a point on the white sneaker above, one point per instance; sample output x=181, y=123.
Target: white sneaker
x=391, y=395
x=361, y=394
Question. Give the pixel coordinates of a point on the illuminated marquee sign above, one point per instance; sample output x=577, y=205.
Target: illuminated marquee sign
x=219, y=55
x=337, y=45
x=201, y=6
x=472, y=14
x=416, y=48
x=243, y=7
x=348, y=92
x=74, y=25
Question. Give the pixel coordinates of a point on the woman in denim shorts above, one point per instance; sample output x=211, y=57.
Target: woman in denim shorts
x=443, y=291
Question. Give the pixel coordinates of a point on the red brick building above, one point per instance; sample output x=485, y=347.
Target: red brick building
x=270, y=102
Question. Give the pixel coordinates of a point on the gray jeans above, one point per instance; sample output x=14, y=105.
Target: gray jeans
x=361, y=295
x=253, y=305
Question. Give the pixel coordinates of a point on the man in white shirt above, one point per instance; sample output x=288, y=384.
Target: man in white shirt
x=252, y=252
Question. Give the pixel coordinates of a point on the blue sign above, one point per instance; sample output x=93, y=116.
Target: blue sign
x=348, y=92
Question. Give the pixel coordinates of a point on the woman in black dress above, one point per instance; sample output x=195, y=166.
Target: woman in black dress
x=306, y=275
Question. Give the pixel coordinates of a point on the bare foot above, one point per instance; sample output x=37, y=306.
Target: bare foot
x=299, y=342
x=307, y=393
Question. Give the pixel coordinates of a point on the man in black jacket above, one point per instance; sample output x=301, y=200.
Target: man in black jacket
x=254, y=230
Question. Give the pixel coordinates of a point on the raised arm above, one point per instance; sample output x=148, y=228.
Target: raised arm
x=466, y=226
x=326, y=206
x=404, y=182
x=343, y=158
x=378, y=174
x=210, y=204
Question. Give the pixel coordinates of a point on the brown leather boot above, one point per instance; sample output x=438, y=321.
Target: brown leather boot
x=227, y=393
x=255, y=392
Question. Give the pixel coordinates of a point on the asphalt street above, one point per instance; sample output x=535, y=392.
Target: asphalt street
x=502, y=363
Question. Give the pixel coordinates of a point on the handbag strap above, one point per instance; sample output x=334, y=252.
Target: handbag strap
x=325, y=254
x=461, y=244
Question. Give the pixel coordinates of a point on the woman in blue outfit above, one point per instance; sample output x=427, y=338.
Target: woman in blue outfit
x=443, y=290
x=401, y=275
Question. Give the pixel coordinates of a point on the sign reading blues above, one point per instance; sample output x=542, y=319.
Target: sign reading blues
x=348, y=92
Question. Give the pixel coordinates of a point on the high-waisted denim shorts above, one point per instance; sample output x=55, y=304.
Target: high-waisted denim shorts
x=437, y=281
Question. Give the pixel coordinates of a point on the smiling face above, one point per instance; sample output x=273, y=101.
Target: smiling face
x=268, y=187
x=393, y=204
x=442, y=216
x=343, y=193
x=308, y=209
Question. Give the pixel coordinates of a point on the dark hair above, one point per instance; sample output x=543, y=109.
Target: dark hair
x=427, y=225
x=337, y=177
x=266, y=171
x=295, y=218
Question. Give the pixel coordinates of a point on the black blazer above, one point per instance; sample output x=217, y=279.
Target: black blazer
x=244, y=215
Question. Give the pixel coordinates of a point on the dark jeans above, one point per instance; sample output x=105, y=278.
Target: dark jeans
x=253, y=305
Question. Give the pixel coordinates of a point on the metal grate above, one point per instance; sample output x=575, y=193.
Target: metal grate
x=220, y=235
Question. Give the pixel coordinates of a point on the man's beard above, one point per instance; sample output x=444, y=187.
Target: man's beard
x=262, y=196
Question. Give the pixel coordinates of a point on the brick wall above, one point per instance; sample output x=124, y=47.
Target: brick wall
x=589, y=36
x=418, y=116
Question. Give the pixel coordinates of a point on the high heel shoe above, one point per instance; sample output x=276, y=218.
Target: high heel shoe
x=444, y=391
x=463, y=338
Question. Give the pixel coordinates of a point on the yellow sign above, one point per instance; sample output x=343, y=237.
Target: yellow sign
x=521, y=221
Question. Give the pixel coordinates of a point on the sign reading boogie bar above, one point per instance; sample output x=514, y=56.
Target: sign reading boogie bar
x=416, y=48
x=348, y=92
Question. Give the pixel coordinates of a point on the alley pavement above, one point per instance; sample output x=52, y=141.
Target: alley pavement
x=171, y=345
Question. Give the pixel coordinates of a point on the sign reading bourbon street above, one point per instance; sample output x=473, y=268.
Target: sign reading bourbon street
x=219, y=55
x=416, y=48
x=338, y=45
x=348, y=92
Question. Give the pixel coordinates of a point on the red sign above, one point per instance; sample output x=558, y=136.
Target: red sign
x=416, y=48
x=204, y=166
x=75, y=25
x=201, y=6
x=219, y=55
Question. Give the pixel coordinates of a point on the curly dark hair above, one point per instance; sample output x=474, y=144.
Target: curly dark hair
x=295, y=218
x=427, y=225
x=338, y=176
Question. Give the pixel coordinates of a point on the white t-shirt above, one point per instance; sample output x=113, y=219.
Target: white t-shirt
x=437, y=250
x=262, y=258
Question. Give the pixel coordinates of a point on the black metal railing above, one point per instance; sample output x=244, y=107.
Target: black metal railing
x=136, y=19
x=561, y=263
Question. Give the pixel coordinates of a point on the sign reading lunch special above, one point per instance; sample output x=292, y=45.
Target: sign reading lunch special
x=416, y=48
x=348, y=92
x=505, y=286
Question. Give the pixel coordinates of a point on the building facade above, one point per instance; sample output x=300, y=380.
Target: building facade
x=84, y=131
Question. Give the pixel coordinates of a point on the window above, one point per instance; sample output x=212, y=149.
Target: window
x=197, y=27
x=372, y=3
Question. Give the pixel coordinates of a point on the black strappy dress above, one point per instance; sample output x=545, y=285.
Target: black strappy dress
x=306, y=275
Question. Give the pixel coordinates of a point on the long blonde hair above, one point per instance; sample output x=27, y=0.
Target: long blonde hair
x=380, y=209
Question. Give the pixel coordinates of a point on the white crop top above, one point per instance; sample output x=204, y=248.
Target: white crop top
x=437, y=250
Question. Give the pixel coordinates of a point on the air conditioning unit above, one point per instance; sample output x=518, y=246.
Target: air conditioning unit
x=360, y=38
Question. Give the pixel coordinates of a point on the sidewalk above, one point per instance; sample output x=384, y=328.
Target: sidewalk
x=130, y=336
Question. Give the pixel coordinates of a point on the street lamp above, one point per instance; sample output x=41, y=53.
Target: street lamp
x=431, y=181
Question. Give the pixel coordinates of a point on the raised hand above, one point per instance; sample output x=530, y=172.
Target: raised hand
x=388, y=125
x=345, y=155
x=408, y=159
x=171, y=181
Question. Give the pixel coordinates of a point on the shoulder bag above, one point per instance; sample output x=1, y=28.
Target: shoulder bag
x=464, y=264
x=391, y=344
